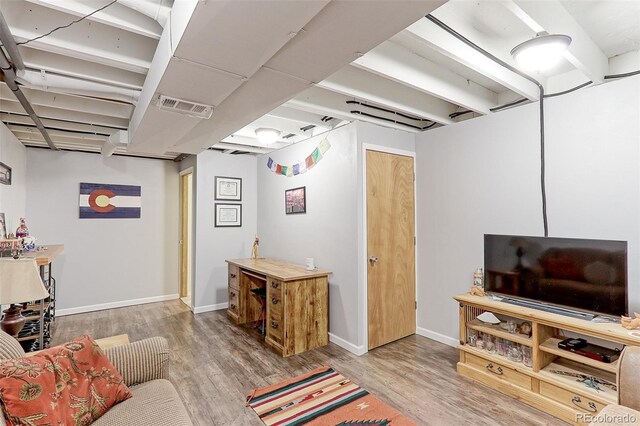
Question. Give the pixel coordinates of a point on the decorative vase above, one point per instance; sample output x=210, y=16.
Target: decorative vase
x=22, y=230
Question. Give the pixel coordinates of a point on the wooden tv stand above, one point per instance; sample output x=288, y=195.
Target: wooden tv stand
x=559, y=382
x=297, y=302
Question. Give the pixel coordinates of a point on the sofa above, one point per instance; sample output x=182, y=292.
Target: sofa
x=628, y=412
x=144, y=366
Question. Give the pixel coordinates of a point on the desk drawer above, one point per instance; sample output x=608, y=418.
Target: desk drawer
x=234, y=276
x=274, y=305
x=274, y=288
x=233, y=301
x=576, y=401
x=275, y=330
x=499, y=371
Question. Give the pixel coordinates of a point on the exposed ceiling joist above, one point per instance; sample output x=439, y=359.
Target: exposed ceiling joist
x=552, y=17
x=321, y=101
x=85, y=146
x=84, y=40
x=366, y=86
x=302, y=117
x=116, y=15
x=66, y=115
x=70, y=102
x=56, y=124
x=395, y=62
x=86, y=70
x=20, y=130
x=284, y=125
x=242, y=147
x=443, y=42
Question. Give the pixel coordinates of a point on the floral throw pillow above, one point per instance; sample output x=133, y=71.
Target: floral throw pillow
x=70, y=384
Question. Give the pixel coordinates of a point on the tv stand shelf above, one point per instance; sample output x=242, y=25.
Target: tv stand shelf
x=551, y=346
x=559, y=382
x=495, y=330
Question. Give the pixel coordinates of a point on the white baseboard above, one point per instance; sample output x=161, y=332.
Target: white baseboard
x=209, y=308
x=437, y=337
x=358, y=350
x=111, y=305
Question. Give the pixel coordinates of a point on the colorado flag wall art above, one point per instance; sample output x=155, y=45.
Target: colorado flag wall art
x=103, y=201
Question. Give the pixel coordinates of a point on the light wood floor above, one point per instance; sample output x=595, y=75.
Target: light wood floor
x=216, y=364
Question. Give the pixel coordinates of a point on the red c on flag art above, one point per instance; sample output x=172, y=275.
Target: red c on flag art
x=109, y=201
x=100, y=200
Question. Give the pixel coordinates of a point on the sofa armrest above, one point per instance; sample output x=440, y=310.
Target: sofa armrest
x=141, y=361
x=629, y=377
x=616, y=415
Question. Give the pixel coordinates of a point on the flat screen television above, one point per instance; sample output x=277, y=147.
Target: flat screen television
x=586, y=275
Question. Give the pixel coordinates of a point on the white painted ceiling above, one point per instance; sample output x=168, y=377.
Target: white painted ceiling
x=299, y=67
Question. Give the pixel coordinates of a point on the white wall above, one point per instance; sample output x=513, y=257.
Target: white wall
x=214, y=245
x=327, y=232
x=331, y=230
x=106, y=262
x=13, y=197
x=483, y=176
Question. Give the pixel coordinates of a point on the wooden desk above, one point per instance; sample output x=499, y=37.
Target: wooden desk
x=297, y=302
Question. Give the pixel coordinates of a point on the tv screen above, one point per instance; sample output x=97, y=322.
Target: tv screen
x=589, y=275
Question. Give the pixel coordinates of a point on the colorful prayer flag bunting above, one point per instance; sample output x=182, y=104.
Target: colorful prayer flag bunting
x=303, y=166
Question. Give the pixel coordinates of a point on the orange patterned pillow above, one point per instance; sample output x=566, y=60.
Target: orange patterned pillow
x=70, y=384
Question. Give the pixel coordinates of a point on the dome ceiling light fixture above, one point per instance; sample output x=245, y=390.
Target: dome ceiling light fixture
x=542, y=52
x=267, y=136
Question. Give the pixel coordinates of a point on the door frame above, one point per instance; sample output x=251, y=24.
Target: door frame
x=364, y=283
x=189, y=170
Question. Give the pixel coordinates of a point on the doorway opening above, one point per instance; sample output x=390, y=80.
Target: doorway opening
x=186, y=232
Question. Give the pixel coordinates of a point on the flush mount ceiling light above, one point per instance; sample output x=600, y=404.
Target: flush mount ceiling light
x=267, y=136
x=542, y=52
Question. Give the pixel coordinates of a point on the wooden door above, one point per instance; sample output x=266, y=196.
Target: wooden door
x=390, y=247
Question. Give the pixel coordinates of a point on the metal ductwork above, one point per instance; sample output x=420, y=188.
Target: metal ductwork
x=69, y=85
x=10, y=44
x=9, y=74
x=117, y=139
x=154, y=9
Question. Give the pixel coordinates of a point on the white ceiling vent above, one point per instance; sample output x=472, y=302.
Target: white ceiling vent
x=182, y=106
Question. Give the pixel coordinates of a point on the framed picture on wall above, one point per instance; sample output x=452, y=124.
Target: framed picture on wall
x=295, y=200
x=228, y=188
x=5, y=174
x=228, y=215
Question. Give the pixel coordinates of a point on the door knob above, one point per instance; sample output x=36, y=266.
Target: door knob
x=373, y=259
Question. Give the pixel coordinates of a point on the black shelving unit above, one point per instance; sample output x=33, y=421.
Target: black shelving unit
x=40, y=315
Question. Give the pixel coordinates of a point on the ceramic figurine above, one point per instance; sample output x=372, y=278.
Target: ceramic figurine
x=477, y=291
x=524, y=328
x=254, y=249
x=631, y=323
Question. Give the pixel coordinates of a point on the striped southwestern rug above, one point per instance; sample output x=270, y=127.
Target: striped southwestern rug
x=322, y=397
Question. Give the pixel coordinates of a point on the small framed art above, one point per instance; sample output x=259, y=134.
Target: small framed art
x=295, y=200
x=5, y=174
x=228, y=188
x=228, y=215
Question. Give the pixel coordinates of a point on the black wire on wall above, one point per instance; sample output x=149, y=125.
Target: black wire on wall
x=499, y=61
